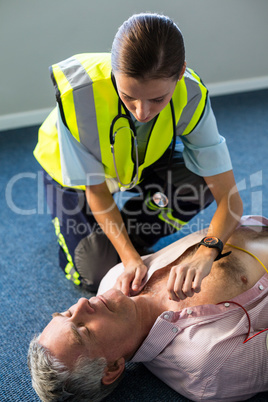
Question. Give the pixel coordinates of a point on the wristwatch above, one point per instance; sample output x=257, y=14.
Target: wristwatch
x=214, y=242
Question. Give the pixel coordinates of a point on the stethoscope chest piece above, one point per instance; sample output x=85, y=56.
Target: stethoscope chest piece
x=160, y=199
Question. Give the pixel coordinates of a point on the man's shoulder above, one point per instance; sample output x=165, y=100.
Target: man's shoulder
x=205, y=357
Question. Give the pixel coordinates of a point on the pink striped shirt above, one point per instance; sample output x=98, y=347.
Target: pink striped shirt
x=199, y=351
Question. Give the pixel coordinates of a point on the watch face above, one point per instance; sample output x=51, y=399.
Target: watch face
x=211, y=241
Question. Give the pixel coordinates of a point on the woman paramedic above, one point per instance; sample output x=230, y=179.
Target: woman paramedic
x=138, y=120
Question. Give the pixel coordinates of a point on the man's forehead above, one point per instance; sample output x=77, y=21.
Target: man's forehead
x=58, y=329
x=62, y=341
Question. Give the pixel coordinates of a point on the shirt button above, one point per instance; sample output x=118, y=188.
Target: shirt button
x=227, y=304
x=166, y=316
x=261, y=287
x=189, y=311
x=175, y=330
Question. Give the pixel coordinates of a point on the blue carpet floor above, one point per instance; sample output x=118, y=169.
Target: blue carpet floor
x=32, y=287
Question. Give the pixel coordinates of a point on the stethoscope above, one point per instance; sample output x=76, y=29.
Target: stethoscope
x=159, y=198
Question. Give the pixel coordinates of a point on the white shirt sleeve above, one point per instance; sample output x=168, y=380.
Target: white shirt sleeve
x=205, y=151
x=79, y=167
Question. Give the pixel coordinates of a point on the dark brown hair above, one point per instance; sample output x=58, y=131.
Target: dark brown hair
x=148, y=46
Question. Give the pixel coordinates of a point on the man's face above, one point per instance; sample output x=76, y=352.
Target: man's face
x=104, y=326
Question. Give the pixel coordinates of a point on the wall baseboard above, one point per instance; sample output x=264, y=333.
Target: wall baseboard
x=236, y=86
x=23, y=119
x=36, y=117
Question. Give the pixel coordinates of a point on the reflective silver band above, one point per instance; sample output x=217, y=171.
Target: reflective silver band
x=194, y=96
x=81, y=84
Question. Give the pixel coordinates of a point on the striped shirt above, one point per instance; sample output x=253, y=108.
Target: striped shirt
x=200, y=351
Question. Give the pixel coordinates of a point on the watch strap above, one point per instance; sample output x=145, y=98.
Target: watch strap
x=220, y=255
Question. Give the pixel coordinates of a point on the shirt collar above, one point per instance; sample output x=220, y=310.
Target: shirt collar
x=162, y=333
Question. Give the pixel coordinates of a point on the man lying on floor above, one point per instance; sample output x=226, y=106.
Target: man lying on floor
x=212, y=346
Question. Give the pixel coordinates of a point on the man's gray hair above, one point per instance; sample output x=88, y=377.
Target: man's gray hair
x=53, y=381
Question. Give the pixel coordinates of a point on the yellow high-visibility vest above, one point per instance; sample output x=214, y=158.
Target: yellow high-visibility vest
x=88, y=102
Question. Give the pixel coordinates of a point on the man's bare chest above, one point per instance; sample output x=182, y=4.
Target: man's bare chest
x=229, y=277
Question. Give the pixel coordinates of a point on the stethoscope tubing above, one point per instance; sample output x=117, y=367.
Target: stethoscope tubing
x=127, y=116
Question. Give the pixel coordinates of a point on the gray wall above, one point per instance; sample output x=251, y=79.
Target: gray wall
x=225, y=40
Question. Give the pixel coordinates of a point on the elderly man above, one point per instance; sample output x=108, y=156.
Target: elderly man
x=212, y=346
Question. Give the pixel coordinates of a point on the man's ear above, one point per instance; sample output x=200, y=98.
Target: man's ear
x=113, y=371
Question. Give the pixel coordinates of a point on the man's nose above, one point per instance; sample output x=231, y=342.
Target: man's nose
x=82, y=308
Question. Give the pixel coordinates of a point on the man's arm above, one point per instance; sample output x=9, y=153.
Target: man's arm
x=110, y=220
x=185, y=279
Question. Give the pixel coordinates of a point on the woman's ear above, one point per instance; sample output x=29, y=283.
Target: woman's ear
x=113, y=371
x=182, y=71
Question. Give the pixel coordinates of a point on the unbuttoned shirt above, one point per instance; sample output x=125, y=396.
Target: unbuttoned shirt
x=200, y=351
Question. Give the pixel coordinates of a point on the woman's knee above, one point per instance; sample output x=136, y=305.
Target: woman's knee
x=93, y=257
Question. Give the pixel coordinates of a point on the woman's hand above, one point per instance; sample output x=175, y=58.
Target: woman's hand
x=130, y=281
x=185, y=279
x=110, y=220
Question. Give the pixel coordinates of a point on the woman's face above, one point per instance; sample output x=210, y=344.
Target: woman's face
x=145, y=98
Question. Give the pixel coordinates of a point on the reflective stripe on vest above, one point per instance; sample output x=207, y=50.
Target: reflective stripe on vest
x=70, y=271
x=88, y=102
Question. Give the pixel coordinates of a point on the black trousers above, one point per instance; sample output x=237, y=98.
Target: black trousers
x=86, y=254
